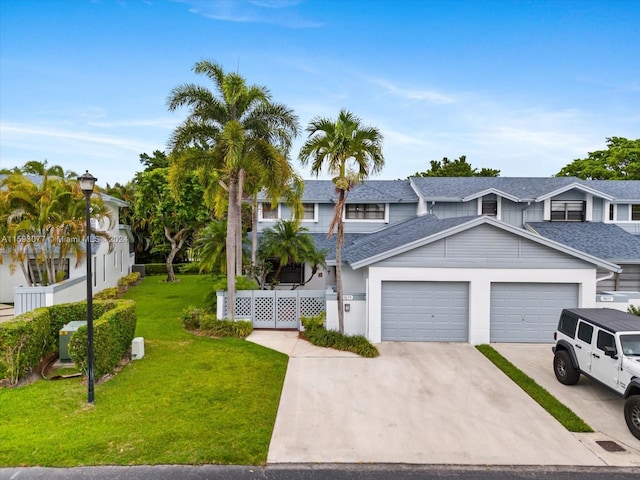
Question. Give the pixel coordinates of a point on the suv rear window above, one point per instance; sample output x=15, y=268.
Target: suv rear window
x=567, y=325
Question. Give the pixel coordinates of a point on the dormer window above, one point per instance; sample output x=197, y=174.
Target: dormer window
x=568, y=210
x=490, y=207
x=635, y=213
x=365, y=211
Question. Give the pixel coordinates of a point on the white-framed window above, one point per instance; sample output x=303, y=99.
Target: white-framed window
x=40, y=274
x=568, y=210
x=309, y=212
x=268, y=213
x=365, y=211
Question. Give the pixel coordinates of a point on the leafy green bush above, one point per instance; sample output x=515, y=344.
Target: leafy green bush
x=317, y=334
x=107, y=294
x=113, y=332
x=22, y=343
x=129, y=280
x=634, y=310
x=207, y=324
x=211, y=326
x=192, y=268
x=34, y=335
x=155, y=269
x=191, y=318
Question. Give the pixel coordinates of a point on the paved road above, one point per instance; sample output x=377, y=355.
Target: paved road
x=321, y=472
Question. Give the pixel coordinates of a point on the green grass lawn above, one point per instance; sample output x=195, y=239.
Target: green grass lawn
x=190, y=400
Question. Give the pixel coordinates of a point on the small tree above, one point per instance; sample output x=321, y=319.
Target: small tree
x=456, y=168
x=172, y=220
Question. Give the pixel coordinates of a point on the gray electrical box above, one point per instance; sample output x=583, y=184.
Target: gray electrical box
x=65, y=335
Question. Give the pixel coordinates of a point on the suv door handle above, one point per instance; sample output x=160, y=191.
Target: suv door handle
x=578, y=346
x=596, y=355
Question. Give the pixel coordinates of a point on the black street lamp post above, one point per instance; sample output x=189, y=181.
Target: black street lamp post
x=87, y=182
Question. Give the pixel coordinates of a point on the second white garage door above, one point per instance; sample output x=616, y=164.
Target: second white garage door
x=425, y=311
x=528, y=312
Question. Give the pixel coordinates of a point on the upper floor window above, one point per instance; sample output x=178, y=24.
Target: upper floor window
x=611, y=212
x=490, y=207
x=309, y=211
x=268, y=212
x=568, y=210
x=635, y=213
x=364, y=211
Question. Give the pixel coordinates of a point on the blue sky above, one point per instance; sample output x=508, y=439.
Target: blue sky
x=521, y=86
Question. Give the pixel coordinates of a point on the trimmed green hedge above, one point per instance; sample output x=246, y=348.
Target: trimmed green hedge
x=196, y=319
x=34, y=335
x=112, y=335
x=318, y=335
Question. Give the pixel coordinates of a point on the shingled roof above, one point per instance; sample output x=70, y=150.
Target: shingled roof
x=602, y=240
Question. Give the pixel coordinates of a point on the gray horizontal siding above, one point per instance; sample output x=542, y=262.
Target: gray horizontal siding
x=628, y=280
x=453, y=209
x=484, y=247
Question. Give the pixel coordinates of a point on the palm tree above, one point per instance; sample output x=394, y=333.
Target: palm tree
x=45, y=222
x=225, y=135
x=288, y=243
x=350, y=152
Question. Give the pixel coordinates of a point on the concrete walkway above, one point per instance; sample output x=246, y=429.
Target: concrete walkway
x=6, y=312
x=422, y=403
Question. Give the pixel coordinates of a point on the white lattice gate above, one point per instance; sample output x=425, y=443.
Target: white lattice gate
x=276, y=308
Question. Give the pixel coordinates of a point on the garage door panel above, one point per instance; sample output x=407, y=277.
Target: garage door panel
x=528, y=312
x=425, y=311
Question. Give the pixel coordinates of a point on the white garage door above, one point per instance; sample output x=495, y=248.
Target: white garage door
x=425, y=311
x=528, y=312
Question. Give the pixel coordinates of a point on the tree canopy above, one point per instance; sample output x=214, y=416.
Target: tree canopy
x=620, y=161
x=456, y=168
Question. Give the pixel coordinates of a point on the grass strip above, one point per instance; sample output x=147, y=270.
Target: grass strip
x=559, y=411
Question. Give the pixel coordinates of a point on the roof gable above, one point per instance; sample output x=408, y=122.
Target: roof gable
x=420, y=231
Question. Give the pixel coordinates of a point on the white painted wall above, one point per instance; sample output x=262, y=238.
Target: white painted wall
x=479, y=290
x=355, y=320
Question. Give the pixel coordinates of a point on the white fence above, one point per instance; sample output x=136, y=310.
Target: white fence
x=29, y=298
x=274, y=308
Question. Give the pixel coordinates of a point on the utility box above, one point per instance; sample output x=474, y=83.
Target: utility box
x=65, y=335
x=137, y=348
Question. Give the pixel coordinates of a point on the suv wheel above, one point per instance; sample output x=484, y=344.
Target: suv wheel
x=565, y=372
x=632, y=414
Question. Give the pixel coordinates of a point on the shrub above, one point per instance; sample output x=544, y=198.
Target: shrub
x=634, y=310
x=107, y=294
x=22, y=344
x=317, y=334
x=113, y=332
x=155, y=269
x=207, y=324
x=128, y=280
x=191, y=318
x=34, y=335
x=211, y=326
x=192, y=268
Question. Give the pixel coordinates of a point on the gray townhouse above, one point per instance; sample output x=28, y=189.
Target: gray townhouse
x=471, y=259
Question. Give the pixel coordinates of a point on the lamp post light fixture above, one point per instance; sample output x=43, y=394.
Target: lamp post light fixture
x=87, y=182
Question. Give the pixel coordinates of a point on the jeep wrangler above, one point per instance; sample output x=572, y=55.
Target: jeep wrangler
x=604, y=345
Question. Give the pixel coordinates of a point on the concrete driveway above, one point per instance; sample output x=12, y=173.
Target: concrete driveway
x=435, y=403
x=601, y=408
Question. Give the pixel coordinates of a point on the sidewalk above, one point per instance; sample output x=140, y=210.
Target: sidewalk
x=6, y=312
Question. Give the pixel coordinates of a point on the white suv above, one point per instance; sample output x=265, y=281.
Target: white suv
x=604, y=345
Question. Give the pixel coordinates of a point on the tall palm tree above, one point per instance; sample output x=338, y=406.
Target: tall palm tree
x=225, y=135
x=350, y=152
